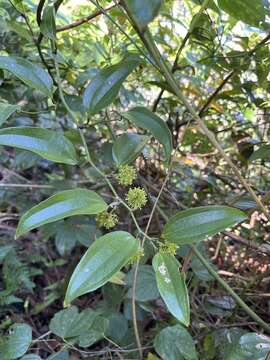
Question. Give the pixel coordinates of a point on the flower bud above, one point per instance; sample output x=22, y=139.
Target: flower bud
x=126, y=175
x=136, y=198
x=107, y=219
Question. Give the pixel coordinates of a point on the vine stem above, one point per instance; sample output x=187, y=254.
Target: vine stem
x=223, y=283
x=88, y=155
x=124, y=32
x=150, y=44
x=84, y=20
x=137, y=264
x=148, y=41
x=233, y=294
x=172, y=82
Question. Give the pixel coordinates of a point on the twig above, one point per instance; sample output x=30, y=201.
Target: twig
x=223, y=283
x=88, y=156
x=246, y=242
x=216, y=92
x=27, y=186
x=154, y=51
x=133, y=301
x=217, y=248
x=84, y=20
x=39, y=11
x=183, y=44
x=148, y=40
x=229, y=76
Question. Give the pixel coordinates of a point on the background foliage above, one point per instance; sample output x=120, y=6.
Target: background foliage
x=78, y=75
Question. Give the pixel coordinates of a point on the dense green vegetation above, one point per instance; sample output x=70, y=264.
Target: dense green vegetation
x=134, y=208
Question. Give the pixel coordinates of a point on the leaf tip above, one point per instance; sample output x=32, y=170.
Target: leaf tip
x=17, y=233
x=66, y=303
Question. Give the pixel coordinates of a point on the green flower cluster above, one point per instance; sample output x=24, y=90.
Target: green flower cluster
x=136, y=257
x=136, y=198
x=107, y=219
x=169, y=248
x=126, y=175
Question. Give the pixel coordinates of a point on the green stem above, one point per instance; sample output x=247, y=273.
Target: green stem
x=147, y=39
x=88, y=156
x=172, y=82
x=124, y=32
x=223, y=283
x=233, y=294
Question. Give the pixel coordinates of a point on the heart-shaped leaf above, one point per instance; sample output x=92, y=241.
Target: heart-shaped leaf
x=69, y=323
x=146, y=119
x=16, y=343
x=104, y=87
x=6, y=110
x=46, y=143
x=128, y=147
x=60, y=206
x=143, y=11
x=84, y=328
x=104, y=258
x=251, y=346
x=195, y=224
x=172, y=287
x=146, y=288
x=175, y=343
x=31, y=74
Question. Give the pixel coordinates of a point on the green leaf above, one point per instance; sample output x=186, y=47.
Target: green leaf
x=262, y=153
x=211, y=4
x=128, y=147
x=143, y=11
x=249, y=11
x=146, y=119
x=104, y=87
x=4, y=250
x=31, y=357
x=195, y=224
x=197, y=267
x=19, y=28
x=95, y=333
x=119, y=322
x=223, y=341
x=46, y=143
x=60, y=355
x=6, y=110
x=104, y=258
x=19, y=5
x=175, y=343
x=59, y=206
x=172, y=287
x=251, y=346
x=69, y=323
x=16, y=343
x=146, y=289
x=29, y=73
x=65, y=238
x=47, y=26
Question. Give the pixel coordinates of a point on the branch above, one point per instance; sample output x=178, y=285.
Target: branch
x=39, y=11
x=229, y=76
x=184, y=42
x=237, y=299
x=216, y=92
x=84, y=20
x=174, y=68
x=246, y=242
